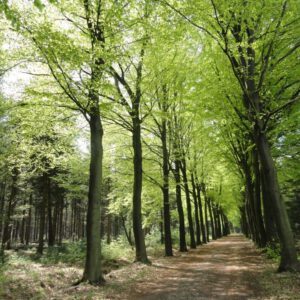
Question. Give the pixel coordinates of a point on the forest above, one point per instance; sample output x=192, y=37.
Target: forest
x=149, y=149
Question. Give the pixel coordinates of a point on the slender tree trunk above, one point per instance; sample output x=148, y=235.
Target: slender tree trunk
x=206, y=212
x=140, y=246
x=61, y=220
x=92, y=271
x=6, y=237
x=203, y=229
x=43, y=203
x=165, y=189
x=182, y=240
x=51, y=232
x=188, y=204
x=28, y=222
x=212, y=223
x=198, y=236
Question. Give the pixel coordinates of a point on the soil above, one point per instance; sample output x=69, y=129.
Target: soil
x=224, y=269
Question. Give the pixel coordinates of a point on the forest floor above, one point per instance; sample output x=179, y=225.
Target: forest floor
x=229, y=268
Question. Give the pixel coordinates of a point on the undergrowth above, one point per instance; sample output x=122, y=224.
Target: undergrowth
x=73, y=253
x=272, y=251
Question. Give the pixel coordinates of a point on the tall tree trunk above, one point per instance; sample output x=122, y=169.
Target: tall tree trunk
x=140, y=246
x=165, y=189
x=42, y=212
x=288, y=250
x=188, y=204
x=198, y=236
x=206, y=212
x=257, y=200
x=203, y=229
x=182, y=240
x=92, y=271
x=61, y=219
x=51, y=232
x=6, y=237
x=28, y=222
x=212, y=223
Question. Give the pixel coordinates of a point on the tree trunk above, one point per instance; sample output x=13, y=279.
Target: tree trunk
x=212, y=223
x=28, y=222
x=188, y=204
x=257, y=201
x=203, y=229
x=165, y=190
x=140, y=247
x=206, y=217
x=182, y=240
x=43, y=203
x=92, y=271
x=289, y=260
x=198, y=237
x=270, y=226
x=51, y=232
x=6, y=237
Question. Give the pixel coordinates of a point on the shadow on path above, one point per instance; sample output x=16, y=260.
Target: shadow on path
x=223, y=269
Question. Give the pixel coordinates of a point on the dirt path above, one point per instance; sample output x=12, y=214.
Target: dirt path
x=223, y=269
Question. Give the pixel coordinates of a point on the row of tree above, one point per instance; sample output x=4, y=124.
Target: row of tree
x=199, y=88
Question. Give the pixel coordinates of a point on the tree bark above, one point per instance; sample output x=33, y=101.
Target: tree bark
x=212, y=223
x=42, y=212
x=140, y=246
x=288, y=260
x=198, y=236
x=188, y=203
x=165, y=189
x=182, y=240
x=92, y=271
x=203, y=229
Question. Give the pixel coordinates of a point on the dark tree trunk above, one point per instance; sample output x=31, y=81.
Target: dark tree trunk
x=198, y=236
x=6, y=237
x=165, y=189
x=42, y=212
x=28, y=222
x=288, y=250
x=188, y=204
x=212, y=223
x=51, y=232
x=182, y=240
x=270, y=226
x=257, y=201
x=206, y=212
x=140, y=247
x=61, y=219
x=92, y=271
x=203, y=229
